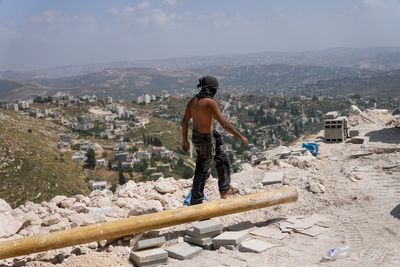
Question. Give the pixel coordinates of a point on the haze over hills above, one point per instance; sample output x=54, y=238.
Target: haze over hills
x=266, y=72
x=374, y=58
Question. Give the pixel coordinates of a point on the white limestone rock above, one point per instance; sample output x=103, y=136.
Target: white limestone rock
x=316, y=188
x=100, y=201
x=164, y=186
x=4, y=206
x=58, y=199
x=87, y=218
x=9, y=225
x=67, y=203
x=51, y=220
x=79, y=207
x=145, y=207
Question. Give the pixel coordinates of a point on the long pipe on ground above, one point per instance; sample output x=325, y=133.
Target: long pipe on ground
x=144, y=223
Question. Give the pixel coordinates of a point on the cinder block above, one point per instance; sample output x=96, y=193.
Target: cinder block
x=331, y=115
x=273, y=178
x=357, y=140
x=255, y=246
x=198, y=241
x=208, y=226
x=354, y=131
x=183, y=251
x=230, y=238
x=192, y=233
x=150, y=243
x=149, y=257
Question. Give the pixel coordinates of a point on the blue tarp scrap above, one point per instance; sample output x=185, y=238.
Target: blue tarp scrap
x=312, y=147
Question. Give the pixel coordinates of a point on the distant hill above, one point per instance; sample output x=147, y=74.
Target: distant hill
x=31, y=167
x=10, y=89
x=126, y=83
x=379, y=84
x=373, y=58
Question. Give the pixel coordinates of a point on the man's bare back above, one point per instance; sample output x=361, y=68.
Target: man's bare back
x=203, y=111
x=201, y=115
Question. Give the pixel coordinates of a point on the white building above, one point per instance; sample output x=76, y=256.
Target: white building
x=98, y=185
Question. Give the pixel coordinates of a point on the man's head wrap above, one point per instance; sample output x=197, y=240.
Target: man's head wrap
x=209, y=86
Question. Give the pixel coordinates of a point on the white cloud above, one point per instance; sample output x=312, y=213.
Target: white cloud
x=170, y=2
x=143, y=5
x=47, y=17
x=144, y=15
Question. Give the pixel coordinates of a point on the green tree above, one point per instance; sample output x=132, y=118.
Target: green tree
x=121, y=176
x=91, y=159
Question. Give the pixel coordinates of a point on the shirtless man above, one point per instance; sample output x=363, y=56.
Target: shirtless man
x=203, y=109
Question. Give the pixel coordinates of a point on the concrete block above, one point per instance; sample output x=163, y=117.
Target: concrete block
x=208, y=226
x=313, y=231
x=230, y=238
x=149, y=257
x=150, y=243
x=205, y=243
x=243, y=226
x=268, y=232
x=192, y=233
x=273, y=178
x=331, y=115
x=354, y=131
x=357, y=140
x=255, y=246
x=183, y=251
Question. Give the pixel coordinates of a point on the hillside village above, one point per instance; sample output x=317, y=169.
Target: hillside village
x=128, y=141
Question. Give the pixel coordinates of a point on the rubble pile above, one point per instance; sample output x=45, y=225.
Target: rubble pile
x=346, y=193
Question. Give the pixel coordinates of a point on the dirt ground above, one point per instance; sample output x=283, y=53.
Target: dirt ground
x=361, y=205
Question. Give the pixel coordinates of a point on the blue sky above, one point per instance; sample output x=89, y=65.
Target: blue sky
x=44, y=33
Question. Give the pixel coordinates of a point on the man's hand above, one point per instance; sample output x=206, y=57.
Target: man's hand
x=244, y=140
x=185, y=145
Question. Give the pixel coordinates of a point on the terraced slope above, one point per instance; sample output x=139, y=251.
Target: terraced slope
x=31, y=167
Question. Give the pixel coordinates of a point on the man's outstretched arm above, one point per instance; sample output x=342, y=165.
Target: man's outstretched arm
x=224, y=123
x=185, y=126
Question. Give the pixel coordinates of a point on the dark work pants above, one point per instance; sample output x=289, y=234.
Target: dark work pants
x=209, y=149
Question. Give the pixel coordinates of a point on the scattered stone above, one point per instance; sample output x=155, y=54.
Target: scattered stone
x=150, y=243
x=4, y=206
x=164, y=186
x=51, y=220
x=9, y=225
x=67, y=203
x=87, y=218
x=207, y=226
x=149, y=257
x=316, y=188
x=230, y=238
x=93, y=245
x=243, y=226
x=183, y=251
x=58, y=199
x=145, y=207
x=255, y=246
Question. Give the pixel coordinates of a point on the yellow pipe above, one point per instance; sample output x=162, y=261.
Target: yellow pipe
x=144, y=223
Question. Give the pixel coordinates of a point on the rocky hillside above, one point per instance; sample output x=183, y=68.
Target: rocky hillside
x=31, y=167
x=348, y=196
